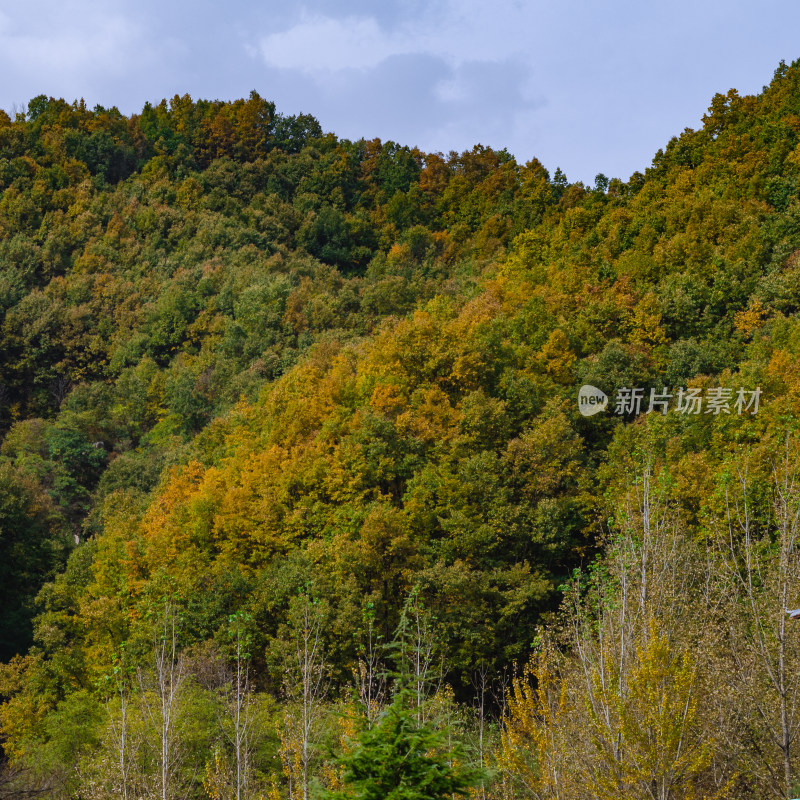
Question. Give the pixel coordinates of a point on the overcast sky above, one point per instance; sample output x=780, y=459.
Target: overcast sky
x=586, y=85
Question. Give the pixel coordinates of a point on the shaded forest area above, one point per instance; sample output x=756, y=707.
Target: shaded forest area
x=295, y=493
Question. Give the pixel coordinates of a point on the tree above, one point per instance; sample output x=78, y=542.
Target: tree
x=759, y=577
x=305, y=685
x=31, y=548
x=114, y=769
x=398, y=759
x=119, y=723
x=161, y=695
x=614, y=704
x=369, y=673
x=480, y=678
x=416, y=649
x=236, y=714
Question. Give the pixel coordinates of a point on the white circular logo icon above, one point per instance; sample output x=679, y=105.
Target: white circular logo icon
x=591, y=400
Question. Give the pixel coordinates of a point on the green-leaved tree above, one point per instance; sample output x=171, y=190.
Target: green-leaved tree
x=397, y=759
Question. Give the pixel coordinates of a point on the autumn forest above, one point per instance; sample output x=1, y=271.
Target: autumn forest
x=297, y=497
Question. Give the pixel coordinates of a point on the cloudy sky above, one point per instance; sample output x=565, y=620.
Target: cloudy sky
x=586, y=85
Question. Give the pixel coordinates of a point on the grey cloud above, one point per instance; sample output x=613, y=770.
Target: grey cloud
x=415, y=99
x=388, y=14
x=620, y=76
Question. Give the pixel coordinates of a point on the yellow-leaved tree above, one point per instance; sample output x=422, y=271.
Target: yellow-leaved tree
x=615, y=704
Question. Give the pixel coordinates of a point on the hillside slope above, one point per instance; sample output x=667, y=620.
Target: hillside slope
x=247, y=363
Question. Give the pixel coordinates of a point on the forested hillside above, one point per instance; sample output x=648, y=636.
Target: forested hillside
x=293, y=470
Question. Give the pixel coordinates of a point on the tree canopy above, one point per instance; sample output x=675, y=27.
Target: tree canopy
x=272, y=375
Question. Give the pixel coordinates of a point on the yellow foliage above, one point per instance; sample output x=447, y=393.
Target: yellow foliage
x=432, y=419
x=646, y=327
x=747, y=321
x=215, y=779
x=645, y=729
x=531, y=756
x=22, y=714
x=595, y=730
x=388, y=399
x=347, y=724
x=291, y=750
x=557, y=357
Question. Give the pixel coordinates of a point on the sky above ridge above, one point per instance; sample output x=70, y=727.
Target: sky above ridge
x=584, y=85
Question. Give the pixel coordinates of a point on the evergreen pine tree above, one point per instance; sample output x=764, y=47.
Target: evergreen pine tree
x=397, y=759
